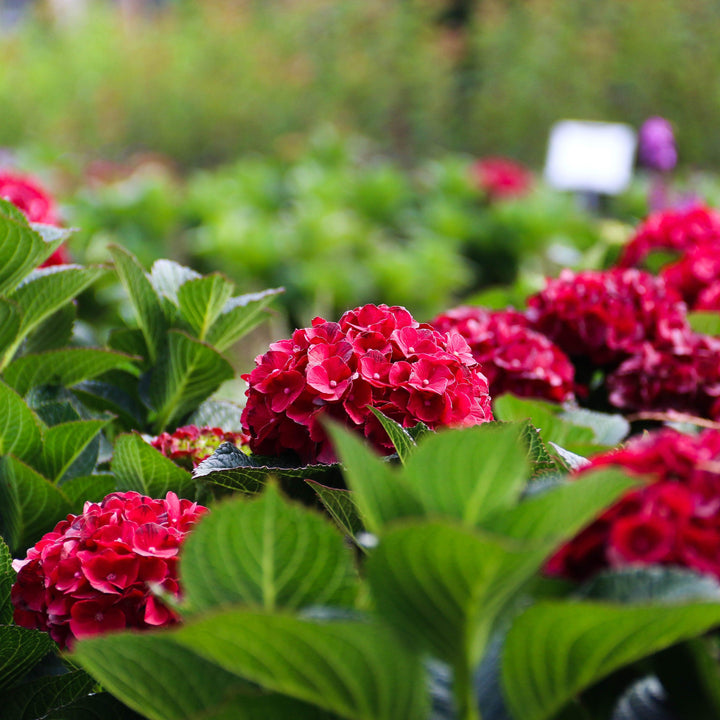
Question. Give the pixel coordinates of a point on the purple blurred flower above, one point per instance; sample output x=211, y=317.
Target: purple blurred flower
x=656, y=145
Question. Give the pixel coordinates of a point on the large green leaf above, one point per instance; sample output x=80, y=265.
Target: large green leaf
x=44, y=293
x=468, y=474
x=218, y=413
x=7, y=578
x=341, y=506
x=357, y=670
x=707, y=322
x=167, y=277
x=19, y=427
x=115, y=393
x=21, y=247
x=20, y=649
x=188, y=372
x=9, y=323
x=251, y=478
x=143, y=298
x=88, y=488
x=37, y=698
x=239, y=315
x=138, y=466
x=443, y=585
x=54, y=332
x=401, y=439
x=558, y=513
x=266, y=553
x=164, y=680
x=554, y=650
x=63, y=444
x=30, y=505
x=381, y=494
x=65, y=367
x=202, y=300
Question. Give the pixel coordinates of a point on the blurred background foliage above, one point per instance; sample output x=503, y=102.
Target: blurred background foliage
x=203, y=82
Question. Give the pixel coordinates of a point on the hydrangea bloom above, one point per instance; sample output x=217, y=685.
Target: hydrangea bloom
x=696, y=270
x=375, y=356
x=93, y=573
x=190, y=445
x=656, y=145
x=684, y=378
x=606, y=316
x=501, y=178
x=37, y=205
x=709, y=298
x=674, y=519
x=514, y=358
x=673, y=230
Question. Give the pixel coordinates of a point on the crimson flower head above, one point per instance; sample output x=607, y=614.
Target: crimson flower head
x=375, y=356
x=606, y=316
x=36, y=204
x=672, y=519
x=94, y=572
x=501, y=178
x=695, y=271
x=682, y=378
x=190, y=445
x=674, y=230
x=514, y=358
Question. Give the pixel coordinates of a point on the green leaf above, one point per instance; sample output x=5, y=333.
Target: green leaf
x=651, y=584
x=129, y=341
x=608, y=429
x=218, y=413
x=705, y=322
x=238, y=317
x=19, y=427
x=9, y=323
x=7, y=578
x=443, y=585
x=30, y=505
x=188, y=372
x=143, y=298
x=37, y=698
x=98, y=706
x=167, y=277
x=89, y=488
x=54, y=332
x=21, y=248
x=138, y=466
x=470, y=473
x=164, y=680
x=399, y=436
x=342, y=507
x=63, y=444
x=202, y=300
x=115, y=394
x=45, y=292
x=65, y=367
x=559, y=513
x=544, y=416
x=555, y=650
x=569, y=460
x=266, y=553
x=357, y=670
x=381, y=494
x=251, y=479
x=20, y=649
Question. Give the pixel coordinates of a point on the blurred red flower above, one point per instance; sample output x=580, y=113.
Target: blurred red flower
x=501, y=178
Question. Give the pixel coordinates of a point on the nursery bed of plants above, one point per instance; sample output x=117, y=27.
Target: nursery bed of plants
x=437, y=511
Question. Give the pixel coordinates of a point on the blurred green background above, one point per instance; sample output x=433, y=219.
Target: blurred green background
x=203, y=82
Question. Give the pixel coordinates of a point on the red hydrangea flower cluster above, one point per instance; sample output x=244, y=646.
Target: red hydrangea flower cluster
x=190, y=445
x=674, y=519
x=514, y=358
x=94, y=572
x=674, y=230
x=37, y=205
x=684, y=377
x=606, y=316
x=501, y=178
x=697, y=271
x=375, y=356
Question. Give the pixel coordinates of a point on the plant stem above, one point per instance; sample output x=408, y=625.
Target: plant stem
x=465, y=703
